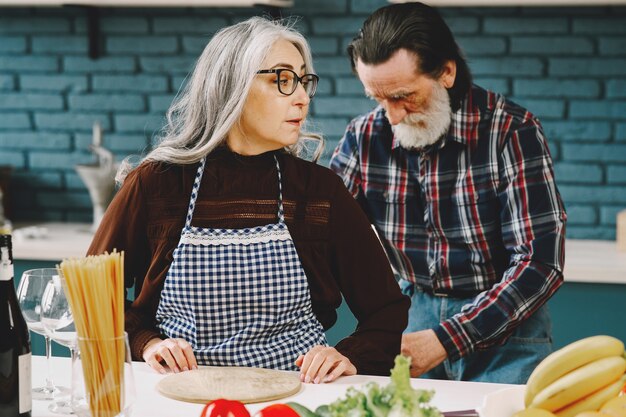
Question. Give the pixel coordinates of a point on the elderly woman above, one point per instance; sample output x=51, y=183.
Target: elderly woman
x=240, y=251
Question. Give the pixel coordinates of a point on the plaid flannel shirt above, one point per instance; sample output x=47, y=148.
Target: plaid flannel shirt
x=476, y=215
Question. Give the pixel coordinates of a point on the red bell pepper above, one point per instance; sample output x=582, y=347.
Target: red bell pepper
x=277, y=410
x=225, y=408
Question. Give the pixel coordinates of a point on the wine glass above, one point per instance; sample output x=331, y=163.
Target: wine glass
x=58, y=323
x=29, y=294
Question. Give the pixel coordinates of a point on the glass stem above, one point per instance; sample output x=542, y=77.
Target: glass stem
x=74, y=355
x=49, y=381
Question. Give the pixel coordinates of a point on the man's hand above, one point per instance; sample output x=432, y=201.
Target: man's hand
x=425, y=350
x=323, y=364
x=176, y=353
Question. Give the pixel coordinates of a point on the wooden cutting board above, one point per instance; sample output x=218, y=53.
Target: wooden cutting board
x=248, y=385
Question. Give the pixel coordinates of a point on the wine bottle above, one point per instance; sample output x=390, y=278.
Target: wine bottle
x=15, y=353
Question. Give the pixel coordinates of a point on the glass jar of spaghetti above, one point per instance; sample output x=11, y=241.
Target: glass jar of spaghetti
x=102, y=378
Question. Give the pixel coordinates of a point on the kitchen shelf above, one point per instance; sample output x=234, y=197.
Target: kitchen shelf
x=149, y=3
x=91, y=7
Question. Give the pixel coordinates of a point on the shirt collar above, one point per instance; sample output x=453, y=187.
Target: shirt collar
x=463, y=126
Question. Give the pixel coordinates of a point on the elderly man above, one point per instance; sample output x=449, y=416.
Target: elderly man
x=458, y=182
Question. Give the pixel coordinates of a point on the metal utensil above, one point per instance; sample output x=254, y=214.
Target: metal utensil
x=460, y=413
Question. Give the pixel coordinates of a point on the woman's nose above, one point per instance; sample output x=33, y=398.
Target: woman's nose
x=301, y=96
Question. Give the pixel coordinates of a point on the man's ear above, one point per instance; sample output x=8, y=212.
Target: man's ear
x=448, y=75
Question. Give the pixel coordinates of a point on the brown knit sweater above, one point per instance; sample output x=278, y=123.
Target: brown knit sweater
x=336, y=245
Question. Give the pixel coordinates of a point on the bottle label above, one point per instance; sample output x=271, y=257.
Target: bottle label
x=25, y=375
x=6, y=271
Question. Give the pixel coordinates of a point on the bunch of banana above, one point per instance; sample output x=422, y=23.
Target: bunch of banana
x=579, y=377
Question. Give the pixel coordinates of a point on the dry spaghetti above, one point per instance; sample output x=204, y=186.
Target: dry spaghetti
x=95, y=290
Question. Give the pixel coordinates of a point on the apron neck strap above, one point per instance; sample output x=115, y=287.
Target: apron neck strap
x=194, y=193
x=196, y=188
x=281, y=210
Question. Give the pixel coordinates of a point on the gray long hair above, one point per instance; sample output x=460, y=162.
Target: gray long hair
x=212, y=102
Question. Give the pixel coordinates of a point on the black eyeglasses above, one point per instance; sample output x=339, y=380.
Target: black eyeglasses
x=287, y=81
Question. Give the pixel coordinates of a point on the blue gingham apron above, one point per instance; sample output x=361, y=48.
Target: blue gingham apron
x=239, y=296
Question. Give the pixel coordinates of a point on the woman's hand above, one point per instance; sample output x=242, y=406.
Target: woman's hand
x=323, y=364
x=176, y=353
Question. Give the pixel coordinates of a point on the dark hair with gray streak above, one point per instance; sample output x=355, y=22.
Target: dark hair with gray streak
x=420, y=29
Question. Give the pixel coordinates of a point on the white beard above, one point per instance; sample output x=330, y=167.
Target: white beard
x=418, y=130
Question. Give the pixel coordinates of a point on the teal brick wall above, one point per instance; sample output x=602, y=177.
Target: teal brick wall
x=567, y=65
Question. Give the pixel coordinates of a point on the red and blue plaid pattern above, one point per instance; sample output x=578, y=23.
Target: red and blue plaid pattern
x=478, y=214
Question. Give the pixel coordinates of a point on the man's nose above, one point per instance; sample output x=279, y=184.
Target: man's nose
x=395, y=112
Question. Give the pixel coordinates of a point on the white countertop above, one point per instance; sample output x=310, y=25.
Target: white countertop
x=449, y=395
x=56, y=242
x=594, y=261
x=589, y=261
